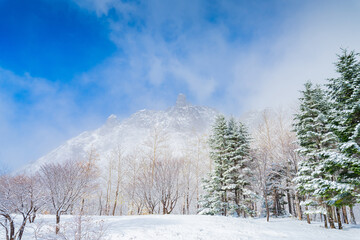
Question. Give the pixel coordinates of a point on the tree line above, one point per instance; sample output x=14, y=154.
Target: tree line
x=148, y=180
x=313, y=169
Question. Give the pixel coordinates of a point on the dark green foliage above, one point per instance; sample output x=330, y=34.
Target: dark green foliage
x=227, y=189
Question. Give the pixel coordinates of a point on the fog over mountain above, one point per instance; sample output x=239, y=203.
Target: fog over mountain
x=178, y=125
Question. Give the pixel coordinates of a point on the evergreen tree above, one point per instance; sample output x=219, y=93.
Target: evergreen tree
x=316, y=143
x=344, y=93
x=214, y=202
x=228, y=186
x=237, y=172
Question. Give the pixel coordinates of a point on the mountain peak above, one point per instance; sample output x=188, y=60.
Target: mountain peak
x=181, y=101
x=112, y=120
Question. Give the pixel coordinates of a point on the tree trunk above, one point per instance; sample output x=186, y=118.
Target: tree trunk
x=267, y=208
x=334, y=214
x=164, y=209
x=115, y=203
x=107, y=203
x=183, y=207
x=237, y=200
x=298, y=207
x=116, y=197
x=188, y=203
x=7, y=233
x=225, y=200
x=197, y=201
x=12, y=230
x=352, y=216
x=344, y=212
x=325, y=221
x=307, y=215
x=275, y=210
x=32, y=216
x=82, y=206
x=57, y=229
x=22, y=228
x=289, y=201
x=255, y=209
x=293, y=205
x=10, y=236
x=100, y=204
x=330, y=216
x=338, y=217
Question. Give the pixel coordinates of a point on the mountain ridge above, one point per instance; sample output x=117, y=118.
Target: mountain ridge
x=181, y=122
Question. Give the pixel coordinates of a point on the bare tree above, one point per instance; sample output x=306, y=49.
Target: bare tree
x=167, y=174
x=156, y=143
x=145, y=186
x=108, y=175
x=273, y=151
x=155, y=148
x=263, y=154
x=19, y=195
x=201, y=163
x=65, y=184
x=113, y=178
x=187, y=181
x=119, y=171
x=287, y=153
x=92, y=173
x=133, y=168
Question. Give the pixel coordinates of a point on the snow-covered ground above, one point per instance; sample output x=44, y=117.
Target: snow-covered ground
x=167, y=227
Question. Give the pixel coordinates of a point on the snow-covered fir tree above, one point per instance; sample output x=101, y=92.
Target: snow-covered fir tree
x=214, y=201
x=228, y=189
x=344, y=93
x=316, y=143
x=237, y=174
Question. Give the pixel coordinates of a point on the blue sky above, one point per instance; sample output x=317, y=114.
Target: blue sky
x=57, y=34
x=65, y=65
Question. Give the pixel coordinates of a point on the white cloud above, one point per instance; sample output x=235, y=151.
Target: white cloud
x=230, y=74
x=102, y=7
x=306, y=51
x=35, y=117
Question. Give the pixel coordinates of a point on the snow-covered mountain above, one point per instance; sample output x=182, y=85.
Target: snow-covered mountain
x=180, y=123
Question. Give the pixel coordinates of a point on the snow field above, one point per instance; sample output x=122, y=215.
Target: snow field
x=188, y=227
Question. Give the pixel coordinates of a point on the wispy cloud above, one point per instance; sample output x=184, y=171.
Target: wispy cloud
x=35, y=116
x=258, y=65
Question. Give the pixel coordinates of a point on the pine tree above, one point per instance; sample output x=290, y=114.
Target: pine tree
x=237, y=172
x=316, y=143
x=227, y=188
x=214, y=202
x=344, y=93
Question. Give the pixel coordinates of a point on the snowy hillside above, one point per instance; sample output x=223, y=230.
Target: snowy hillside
x=164, y=227
x=180, y=123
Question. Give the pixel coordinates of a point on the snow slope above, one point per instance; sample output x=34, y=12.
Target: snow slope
x=180, y=123
x=187, y=227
